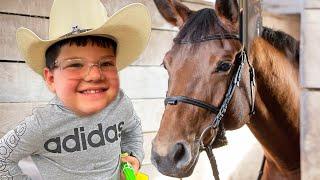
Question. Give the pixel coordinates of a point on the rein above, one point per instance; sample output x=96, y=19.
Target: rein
x=241, y=59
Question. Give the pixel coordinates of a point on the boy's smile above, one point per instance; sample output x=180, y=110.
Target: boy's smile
x=86, y=78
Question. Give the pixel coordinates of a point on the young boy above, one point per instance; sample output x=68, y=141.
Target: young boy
x=81, y=133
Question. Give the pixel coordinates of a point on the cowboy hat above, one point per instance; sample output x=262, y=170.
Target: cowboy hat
x=130, y=27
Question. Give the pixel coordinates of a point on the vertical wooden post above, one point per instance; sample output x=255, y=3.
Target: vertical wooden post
x=251, y=20
x=310, y=97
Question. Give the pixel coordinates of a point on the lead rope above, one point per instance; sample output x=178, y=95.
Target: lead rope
x=213, y=162
x=261, y=168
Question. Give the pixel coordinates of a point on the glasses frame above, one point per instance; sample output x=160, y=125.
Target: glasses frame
x=84, y=72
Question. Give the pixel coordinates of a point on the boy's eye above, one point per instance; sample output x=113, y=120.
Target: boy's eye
x=224, y=66
x=73, y=63
x=106, y=64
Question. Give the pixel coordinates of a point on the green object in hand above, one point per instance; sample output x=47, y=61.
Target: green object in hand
x=128, y=171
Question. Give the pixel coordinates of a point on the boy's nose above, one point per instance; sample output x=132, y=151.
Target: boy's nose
x=93, y=73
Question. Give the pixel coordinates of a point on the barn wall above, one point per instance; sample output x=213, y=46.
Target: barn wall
x=144, y=81
x=310, y=98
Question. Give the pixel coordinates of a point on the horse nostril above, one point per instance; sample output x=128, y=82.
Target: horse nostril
x=179, y=152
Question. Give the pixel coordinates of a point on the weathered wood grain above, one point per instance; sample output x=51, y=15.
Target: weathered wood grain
x=9, y=25
x=283, y=6
x=310, y=64
x=20, y=84
x=312, y=4
x=310, y=124
x=144, y=82
x=289, y=24
x=160, y=42
x=29, y=7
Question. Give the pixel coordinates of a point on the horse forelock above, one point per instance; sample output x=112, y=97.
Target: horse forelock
x=201, y=24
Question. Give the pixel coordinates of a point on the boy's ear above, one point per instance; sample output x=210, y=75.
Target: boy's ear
x=49, y=78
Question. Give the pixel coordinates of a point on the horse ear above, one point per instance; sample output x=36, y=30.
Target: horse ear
x=173, y=11
x=228, y=9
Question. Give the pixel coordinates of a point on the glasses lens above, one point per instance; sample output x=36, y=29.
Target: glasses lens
x=77, y=68
x=107, y=64
x=72, y=68
x=72, y=64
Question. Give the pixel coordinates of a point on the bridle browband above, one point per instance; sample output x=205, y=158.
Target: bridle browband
x=241, y=59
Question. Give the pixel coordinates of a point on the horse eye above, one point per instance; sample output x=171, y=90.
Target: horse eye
x=163, y=65
x=223, y=66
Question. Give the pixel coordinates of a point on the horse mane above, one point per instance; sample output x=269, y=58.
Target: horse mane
x=206, y=22
x=283, y=42
x=201, y=24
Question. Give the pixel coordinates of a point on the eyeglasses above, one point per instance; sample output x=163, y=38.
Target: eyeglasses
x=79, y=68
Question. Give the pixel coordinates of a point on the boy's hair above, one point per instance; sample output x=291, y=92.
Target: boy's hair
x=54, y=50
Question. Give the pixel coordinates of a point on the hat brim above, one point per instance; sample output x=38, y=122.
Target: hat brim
x=130, y=27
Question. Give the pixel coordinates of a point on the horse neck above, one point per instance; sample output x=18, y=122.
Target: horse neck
x=276, y=122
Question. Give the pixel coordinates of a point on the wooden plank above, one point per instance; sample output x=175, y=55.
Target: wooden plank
x=310, y=64
x=283, y=6
x=160, y=41
x=20, y=84
x=149, y=110
x=199, y=2
x=9, y=50
x=11, y=114
x=196, y=5
x=31, y=7
x=312, y=4
x=310, y=144
x=286, y=23
x=144, y=82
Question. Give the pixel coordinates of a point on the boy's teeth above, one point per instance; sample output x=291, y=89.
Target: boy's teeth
x=91, y=91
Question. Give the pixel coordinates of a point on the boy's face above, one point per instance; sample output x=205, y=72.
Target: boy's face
x=88, y=89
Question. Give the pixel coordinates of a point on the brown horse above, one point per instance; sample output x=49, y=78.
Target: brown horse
x=203, y=64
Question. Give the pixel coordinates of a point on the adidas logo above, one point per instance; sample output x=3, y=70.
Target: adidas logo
x=80, y=141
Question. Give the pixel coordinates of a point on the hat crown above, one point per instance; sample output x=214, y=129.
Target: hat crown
x=72, y=16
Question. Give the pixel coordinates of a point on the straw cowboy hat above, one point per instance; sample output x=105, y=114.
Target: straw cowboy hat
x=130, y=27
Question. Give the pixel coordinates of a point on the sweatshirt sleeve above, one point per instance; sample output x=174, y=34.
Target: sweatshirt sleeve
x=18, y=143
x=132, y=137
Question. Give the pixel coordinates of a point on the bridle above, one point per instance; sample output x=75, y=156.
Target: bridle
x=240, y=60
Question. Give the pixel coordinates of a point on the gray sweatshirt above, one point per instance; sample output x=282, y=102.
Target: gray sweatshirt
x=66, y=146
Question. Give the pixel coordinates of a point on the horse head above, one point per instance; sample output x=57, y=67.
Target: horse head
x=203, y=64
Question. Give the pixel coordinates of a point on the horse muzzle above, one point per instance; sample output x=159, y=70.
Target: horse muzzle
x=178, y=161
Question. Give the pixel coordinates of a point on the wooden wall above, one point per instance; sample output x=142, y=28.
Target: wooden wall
x=144, y=81
x=310, y=98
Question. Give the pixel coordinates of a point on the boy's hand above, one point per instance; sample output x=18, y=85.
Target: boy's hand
x=133, y=161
